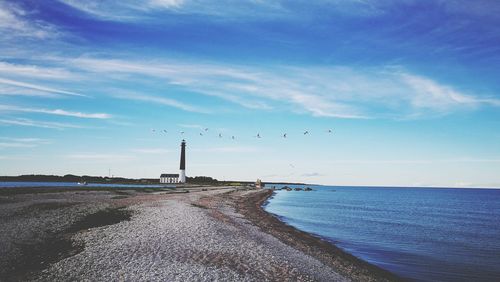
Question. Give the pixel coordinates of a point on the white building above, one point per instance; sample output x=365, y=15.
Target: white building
x=177, y=178
x=169, y=178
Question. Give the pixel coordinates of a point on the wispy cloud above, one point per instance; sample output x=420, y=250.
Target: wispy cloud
x=26, y=140
x=15, y=22
x=430, y=94
x=10, y=142
x=37, y=87
x=337, y=91
x=59, y=112
x=125, y=10
x=15, y=158
x=250, y=88
x=16, y=145
x=36, y=123
x=37, y=71
x=130, y=10
x=6, y=90
x=158, y=100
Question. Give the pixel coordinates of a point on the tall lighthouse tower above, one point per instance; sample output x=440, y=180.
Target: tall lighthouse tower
x=182, y=175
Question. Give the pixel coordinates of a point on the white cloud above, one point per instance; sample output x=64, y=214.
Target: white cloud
x=35, y=123
x=36, y=87
x=34, y=71
x=73, y=114
x=6, y=90
x=165, y=3
x=430, y=94
x=26, y=140
x=16, y=23
x=122, y=10
x=15, y=158
x=10, y=142
x=160, y=101
x=299, y=10
x=250, y=88
x=338, y=91
x=133, y=10
x=16, y=145
x=58, y=112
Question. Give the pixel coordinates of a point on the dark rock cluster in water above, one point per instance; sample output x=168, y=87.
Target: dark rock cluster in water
x=290, y=189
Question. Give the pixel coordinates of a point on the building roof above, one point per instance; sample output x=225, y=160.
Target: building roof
x=169, y=175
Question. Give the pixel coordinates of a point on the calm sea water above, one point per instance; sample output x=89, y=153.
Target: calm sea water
x=417, y=233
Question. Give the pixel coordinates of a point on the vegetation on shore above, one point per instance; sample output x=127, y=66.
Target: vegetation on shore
x=101, y=179
x=196, y=180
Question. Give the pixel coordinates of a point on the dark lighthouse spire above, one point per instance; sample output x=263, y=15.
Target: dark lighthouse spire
x=183, y=155
x=182, y=175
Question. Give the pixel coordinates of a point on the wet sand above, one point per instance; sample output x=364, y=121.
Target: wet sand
x=115, y=235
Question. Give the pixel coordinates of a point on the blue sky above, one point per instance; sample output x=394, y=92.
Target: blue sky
x=409, y=89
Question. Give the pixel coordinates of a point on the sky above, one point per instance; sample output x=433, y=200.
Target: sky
x=391, y=92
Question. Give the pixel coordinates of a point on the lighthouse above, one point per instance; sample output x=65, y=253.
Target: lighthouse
x=182, y=176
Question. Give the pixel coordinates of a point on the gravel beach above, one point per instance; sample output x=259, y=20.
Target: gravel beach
x=212, y=235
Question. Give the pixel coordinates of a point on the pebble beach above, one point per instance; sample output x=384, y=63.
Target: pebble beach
x=209, y=234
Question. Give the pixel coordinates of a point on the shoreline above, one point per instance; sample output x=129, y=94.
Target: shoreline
x=311, y=244
x=214, y=233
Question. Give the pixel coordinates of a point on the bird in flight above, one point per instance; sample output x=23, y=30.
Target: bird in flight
x=232, y=137
x=182, y=132
x=201, y=134
x=329, y=131
x=284, y=135
x=306, y=132
x=258, y=135
x=220, y=135
x=153, y=130
x=164, y=130
x=206, y=129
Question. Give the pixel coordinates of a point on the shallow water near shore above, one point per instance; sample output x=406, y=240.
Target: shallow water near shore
x=418, y=233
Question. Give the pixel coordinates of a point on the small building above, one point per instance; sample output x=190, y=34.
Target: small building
x=259, y=184
x=169, y=178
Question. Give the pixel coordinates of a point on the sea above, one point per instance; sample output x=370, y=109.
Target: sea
x=420, y=234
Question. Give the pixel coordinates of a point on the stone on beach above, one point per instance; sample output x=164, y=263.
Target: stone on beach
x=171, y=239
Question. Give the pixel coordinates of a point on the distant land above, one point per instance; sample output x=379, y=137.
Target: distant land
x=122, y=180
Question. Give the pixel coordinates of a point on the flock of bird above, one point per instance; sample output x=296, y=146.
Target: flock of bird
x=205, y=130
